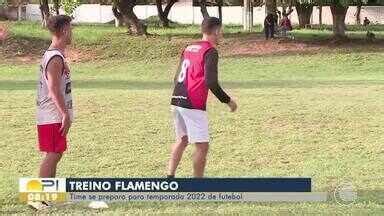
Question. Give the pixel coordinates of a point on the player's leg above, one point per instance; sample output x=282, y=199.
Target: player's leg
x=53, y=144
x=176, y=154
x=200, y=159
x=49, y=165
x=197, y=127
x=266, y=31
x=181, y=141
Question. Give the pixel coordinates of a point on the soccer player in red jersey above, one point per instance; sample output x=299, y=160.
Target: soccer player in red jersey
x=197, y=73
x=54, y=99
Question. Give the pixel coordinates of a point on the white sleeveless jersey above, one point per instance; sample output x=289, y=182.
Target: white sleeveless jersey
x=47, y=112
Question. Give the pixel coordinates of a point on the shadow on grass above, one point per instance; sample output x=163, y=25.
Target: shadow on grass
x=160, y=85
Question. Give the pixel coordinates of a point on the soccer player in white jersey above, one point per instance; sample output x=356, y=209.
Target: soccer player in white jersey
x=54, y=99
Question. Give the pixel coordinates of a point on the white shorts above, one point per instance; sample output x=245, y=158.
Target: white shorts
x=192, y=123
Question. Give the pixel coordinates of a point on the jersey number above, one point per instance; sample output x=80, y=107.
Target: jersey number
x=183, y=71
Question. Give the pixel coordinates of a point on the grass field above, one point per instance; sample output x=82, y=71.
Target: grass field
x=314, y=114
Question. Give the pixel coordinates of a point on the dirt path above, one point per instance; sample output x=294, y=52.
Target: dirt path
x=260, y=46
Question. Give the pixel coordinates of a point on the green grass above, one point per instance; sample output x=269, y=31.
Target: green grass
x=323, y=34
x=105, y=42
x=317, y=115
x=371, y=27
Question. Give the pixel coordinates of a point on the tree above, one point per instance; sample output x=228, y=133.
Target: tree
x=117, y=14
x=339, y=10
x=70, y=6
x=203, y=8
x=56, y=6
x=248, y=16
x=45, y=14
x=320, y=14
x=286, y=6
x=163, y=14
x=304, y=13
x=270, y=6
x=220, y=9
x=338, y=16
x=124, y=9
x=358, y=12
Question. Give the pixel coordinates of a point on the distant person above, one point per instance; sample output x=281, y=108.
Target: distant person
x=269, y=26
x=196, y=75
x=54, y=100
x=285, y=25
x=3, y=33
x=366, y=21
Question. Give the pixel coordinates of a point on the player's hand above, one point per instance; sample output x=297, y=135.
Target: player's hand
x=232, y=105
x=65, y=124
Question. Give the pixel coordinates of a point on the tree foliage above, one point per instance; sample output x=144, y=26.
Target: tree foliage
x=69, y=6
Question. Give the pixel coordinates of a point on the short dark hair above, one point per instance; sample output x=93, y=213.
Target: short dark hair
x=210, y=24
x=56, y=23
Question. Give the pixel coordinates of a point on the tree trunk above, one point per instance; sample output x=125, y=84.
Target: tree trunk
x=44, y=9
x=358, y=13
x=304, y=12
x=125, y=8
x=338, y=17
x=248, y=16
x=168, y=7
x=163, y=14
x=270, y=7
x=56, y=6
x=203, y=8
x=136, y=27
x=320, y=15
x=118, y=16
x=220, y=9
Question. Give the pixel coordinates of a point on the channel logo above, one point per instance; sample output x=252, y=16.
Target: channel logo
x=42, y=189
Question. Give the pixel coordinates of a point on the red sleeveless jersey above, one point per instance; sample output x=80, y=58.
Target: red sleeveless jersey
x=191, y=90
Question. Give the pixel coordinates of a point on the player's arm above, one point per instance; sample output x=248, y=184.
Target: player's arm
x=54, y=72
x=178, y=70
x=211, y=59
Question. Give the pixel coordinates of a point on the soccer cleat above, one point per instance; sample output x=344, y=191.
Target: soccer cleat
x=38, y=205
